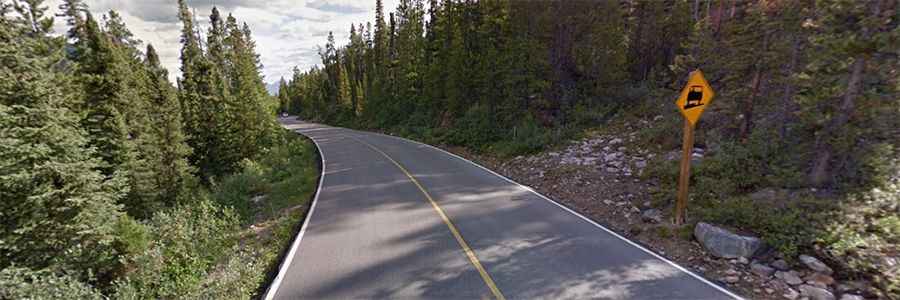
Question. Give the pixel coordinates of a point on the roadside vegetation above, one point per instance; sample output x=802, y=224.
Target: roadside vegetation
x=800, y=145
x=116, y=184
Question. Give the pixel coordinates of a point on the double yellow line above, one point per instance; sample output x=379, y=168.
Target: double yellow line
x=459, y=239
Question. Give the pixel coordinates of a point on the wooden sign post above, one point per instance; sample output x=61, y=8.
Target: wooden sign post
x=697, y=94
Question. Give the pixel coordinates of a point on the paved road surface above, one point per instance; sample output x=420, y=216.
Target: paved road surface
x=395, y=219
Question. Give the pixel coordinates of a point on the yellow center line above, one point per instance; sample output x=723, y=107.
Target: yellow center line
x=462, y=243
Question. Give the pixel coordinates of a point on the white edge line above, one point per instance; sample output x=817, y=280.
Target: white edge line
x=636, y=245
x=273, y=288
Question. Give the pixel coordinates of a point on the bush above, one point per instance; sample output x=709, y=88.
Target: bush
x=287, y=172
x=21, y=283
x=237, y=190
x=238, y=277
x=791, y=229
x=867, y=234
x=474, y=129
x=187, y=241
x=528, y=137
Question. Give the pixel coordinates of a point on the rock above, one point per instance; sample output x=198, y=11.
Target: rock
x=852, y=297
x=652, y=216
x=612, y=170
x=731, y=279
x=743, y=260
x=791, y=294
x=615, y=141
x=780, y=265
x=762, y=270
x=622, y=149
x=815, y=264
x=769, y=291
x=820, y=280
x=790, y=277
x=258, y=198
x=608, y=202
x=640, y=164
x=850, y=286
x=815, y=293
x=610, y=156
x=763, y=194
x=723, y=243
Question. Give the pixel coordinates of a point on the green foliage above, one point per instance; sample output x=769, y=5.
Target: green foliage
x=54, y=199
x=94, y=128
x=185, y=244
x=283, y=177
x=528, y=137
x=227, y=114
x=791, y=230
x=868, y=231
x=21, y=283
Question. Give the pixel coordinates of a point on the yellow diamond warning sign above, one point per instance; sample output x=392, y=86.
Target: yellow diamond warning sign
x=695, y=97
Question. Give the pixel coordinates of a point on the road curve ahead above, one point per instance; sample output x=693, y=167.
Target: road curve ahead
x=395, y=219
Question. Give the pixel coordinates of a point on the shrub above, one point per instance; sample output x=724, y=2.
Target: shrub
x=21, y=283
x=867, y=234
x=186, y=242
x=474, y=129
x=528, y=137
x=790, y=230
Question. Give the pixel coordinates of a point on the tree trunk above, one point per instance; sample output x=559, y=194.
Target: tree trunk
x=821, y=170
x=754, y=91
x=747, y=125
x=787, y=105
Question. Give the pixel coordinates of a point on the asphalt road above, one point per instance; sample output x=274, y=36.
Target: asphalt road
x=396, y=219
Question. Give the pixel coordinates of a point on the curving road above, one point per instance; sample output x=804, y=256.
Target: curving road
x=396, y=219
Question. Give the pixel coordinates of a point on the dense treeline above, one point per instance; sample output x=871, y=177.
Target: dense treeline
x=817, y=78
x=104, y=164
x=806, y=101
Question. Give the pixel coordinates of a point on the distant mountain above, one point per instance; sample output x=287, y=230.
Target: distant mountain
x=272, y=88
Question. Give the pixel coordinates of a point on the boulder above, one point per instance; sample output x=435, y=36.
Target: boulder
x=640, y=164
x=819, y=280
x=815, y=264
x=789, y=277
x=791, y=294
x=731, y=279
x=815, y=293
x=852, y=297
x=764, y=194
x=652, y=216
x=723, y=243
x=762, y=270
x=780, y=265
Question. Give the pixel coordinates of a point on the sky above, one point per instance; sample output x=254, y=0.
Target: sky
x=287, y=32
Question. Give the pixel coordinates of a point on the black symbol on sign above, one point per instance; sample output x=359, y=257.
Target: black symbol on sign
x=694, y=96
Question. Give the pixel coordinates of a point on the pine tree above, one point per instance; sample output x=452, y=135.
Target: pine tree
x=856, y=60
x=215, y=40
x=103, y=86
x=168, y=151
x=55, y=201
x=73, y=10
x=204, y=95
x=253, y=111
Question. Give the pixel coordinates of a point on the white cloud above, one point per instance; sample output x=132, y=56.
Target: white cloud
x=287, y=32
